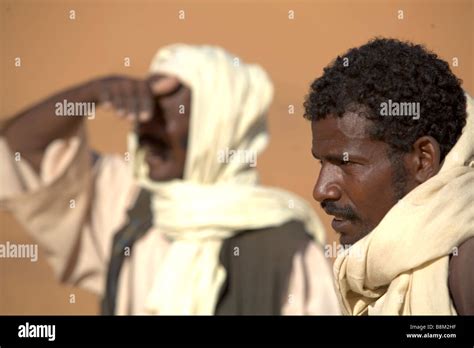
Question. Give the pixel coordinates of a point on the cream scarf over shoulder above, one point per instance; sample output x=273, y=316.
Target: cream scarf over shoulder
x=401, y=267
x=216, y=199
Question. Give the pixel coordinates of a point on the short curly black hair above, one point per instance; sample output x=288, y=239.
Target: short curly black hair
x=389, y=69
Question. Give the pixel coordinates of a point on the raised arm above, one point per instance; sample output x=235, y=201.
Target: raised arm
x=32, y=130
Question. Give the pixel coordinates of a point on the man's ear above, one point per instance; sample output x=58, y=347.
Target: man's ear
x=424, y=159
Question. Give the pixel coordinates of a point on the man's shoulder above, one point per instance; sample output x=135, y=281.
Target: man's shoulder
x=276, y=243
x=287, y=235
x=259, y=263
x=461, y=277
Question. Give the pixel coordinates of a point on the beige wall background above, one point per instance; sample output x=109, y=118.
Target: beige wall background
x=57, y=52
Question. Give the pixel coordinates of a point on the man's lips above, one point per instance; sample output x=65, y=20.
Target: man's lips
x=341, y=222
x=156, y=158
x=340, y=225
x=155, y=152
x=344, y=216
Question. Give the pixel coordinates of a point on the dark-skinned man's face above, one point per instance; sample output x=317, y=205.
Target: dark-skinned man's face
x=356, y=182
x=165, y=135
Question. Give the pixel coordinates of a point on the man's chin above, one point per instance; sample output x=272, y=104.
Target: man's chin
x=346, y=240
x=163, y=172
x=161, y=176
x=346, y=230
x=349, y=239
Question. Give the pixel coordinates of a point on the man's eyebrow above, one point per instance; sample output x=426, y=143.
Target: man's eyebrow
x=334, y=158
x=329, y=157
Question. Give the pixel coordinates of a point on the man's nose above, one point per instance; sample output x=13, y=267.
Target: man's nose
x=327, y=186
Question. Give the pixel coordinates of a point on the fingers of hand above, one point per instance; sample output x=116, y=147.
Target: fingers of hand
x=144, y=102
x=118, y=99
x=138, y=104
x=132, y=99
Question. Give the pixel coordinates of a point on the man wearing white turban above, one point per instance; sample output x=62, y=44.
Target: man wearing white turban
x=180, y=226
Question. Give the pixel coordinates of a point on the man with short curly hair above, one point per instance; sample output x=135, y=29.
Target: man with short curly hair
x=389, y=128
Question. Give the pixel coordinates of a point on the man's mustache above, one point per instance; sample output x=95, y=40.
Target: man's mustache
x=346, y=212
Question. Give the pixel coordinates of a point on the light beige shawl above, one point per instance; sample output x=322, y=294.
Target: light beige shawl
x=215, y=200
x=401, y=267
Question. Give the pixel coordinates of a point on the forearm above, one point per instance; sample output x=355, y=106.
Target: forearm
x=30, y=131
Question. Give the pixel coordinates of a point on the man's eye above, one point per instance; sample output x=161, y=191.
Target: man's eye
x=337, y=162
x=347, y=163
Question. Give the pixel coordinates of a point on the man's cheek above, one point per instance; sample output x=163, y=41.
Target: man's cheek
x=366, y=202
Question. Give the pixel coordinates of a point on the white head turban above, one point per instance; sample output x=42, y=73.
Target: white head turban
x=218, y=197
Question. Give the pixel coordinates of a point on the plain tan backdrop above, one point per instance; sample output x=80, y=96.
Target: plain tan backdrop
x=57, y=52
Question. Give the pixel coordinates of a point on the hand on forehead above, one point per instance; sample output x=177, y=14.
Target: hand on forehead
x=161, y=84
